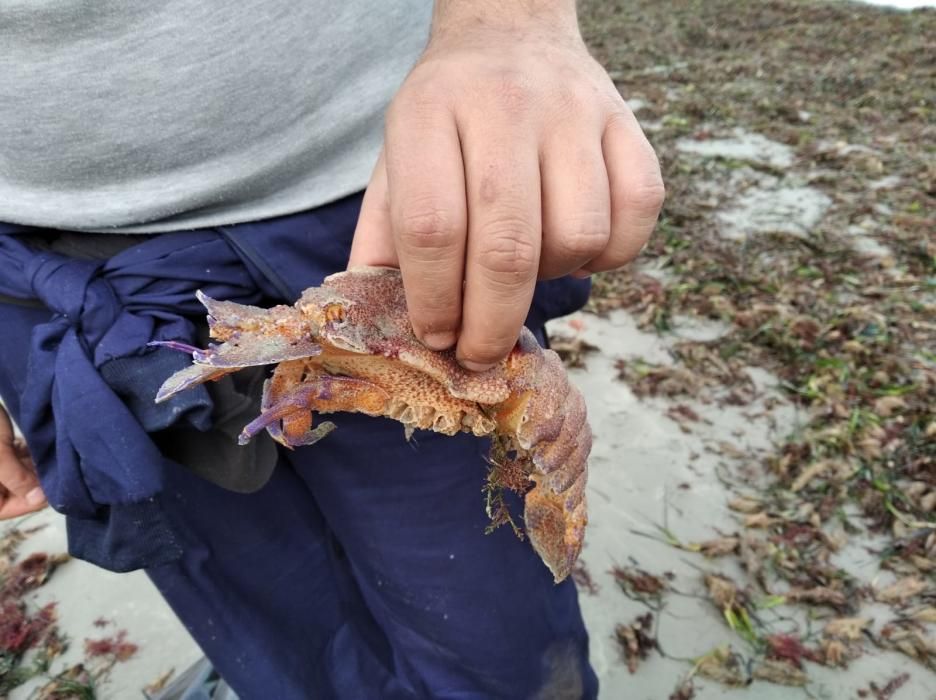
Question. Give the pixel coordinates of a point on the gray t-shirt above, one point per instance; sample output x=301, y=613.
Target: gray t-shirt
x=141, y=116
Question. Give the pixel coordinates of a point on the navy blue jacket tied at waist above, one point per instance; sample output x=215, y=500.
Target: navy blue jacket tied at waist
x=86, y=406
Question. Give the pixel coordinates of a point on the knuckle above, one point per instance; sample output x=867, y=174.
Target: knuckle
x=9, y=460
x=434, y=311
x=489, y=350
x=583, y=237
x=621, y=117
x=415, y=94
x=646, y=199
x=567, y=97
x=428, y=228
x=15, y=478
x=508, y=249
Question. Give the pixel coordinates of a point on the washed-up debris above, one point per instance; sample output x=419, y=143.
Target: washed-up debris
x=23, y=629
x=158, y=684
x=901, y=591
x=727, y=667
x=780, y=673
x=640, y=585
x=684, y=691
x=115, y=647
x=910, y=637
x=724, y=592
x=841, y=640
x=744, y=504
x=760, y=521
x=790, y=649
x=29, y=636
x=912, y=553
x=637, y=640
x=648, y=379
x=887, y=691
x=685, y=416
x=846, y=329
x=817, y=596
x=755, y=554
x=74, y=683
x=724, y=666
x=30, y=640
x=923, y=614
x=736, y=607
x=30, y=573
x=572, y=349
x=719, y=547
x=847, y=628
x=583, y=578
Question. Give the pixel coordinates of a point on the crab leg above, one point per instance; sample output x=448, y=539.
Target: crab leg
x=286, y=376
x=296, y=390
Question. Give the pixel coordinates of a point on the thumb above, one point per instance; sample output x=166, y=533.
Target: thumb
x=373, y=237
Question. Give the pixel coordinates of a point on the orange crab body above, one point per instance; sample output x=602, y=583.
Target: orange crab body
x=348, y=346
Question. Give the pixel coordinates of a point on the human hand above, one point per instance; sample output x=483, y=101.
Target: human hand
x=509, y=156
x=20, y=492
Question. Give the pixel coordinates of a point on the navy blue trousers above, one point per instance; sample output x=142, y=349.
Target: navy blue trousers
x=360, y=570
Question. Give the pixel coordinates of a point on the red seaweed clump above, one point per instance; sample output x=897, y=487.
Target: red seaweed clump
x=116, y=647
x=19, y=630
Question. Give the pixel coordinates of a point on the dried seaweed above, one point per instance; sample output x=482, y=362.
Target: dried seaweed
x=639, y=585
x=115, y=647
x=636, y=640
x=29, y=636
x=583, y=578
x=572, y=349
x=887, y=691
x=30, y=640
x=849, y=334
x=910, y=637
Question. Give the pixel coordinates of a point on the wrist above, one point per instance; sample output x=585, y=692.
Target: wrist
x=464, y=19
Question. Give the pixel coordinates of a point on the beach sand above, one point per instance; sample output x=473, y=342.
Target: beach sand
x=798, y=122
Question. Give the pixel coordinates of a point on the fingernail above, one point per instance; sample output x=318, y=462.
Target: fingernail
x=476, y=366
x=440, y=340
x=35, y=497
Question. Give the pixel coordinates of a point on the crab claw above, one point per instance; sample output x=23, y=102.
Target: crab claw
x=226, y=317
x=253, y=349
x=189, y=377
x=287, y=416
x=298, y=401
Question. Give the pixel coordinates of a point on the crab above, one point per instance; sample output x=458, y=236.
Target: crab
x=348, y=346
